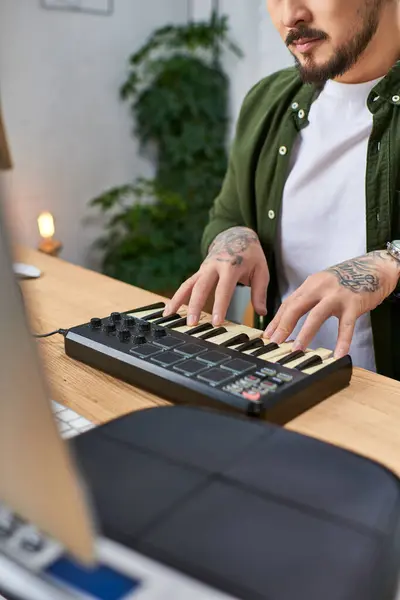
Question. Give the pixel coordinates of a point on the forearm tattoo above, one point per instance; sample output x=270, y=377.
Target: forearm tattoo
x=361, y=274
x=230, y=245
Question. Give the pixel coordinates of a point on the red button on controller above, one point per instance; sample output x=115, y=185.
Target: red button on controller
x=254, y=396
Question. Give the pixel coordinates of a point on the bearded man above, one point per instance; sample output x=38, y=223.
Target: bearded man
x=308, y=214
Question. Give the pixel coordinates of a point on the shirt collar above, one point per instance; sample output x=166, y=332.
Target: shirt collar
x=386, y=90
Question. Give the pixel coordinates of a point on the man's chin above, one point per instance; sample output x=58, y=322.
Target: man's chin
x=312, y=72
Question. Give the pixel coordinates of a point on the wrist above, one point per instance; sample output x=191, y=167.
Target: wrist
x=391, y=267
x=393, y=253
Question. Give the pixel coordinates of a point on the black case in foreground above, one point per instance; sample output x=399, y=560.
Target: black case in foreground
x=249, y=508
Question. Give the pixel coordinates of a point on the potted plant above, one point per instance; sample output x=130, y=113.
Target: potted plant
x=178, y=95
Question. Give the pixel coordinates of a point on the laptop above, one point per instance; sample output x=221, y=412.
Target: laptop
x=50, y=546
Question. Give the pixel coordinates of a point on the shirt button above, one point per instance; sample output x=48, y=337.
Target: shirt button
x=271, y=214
x=396, y=98
x=282, y=150
x=295, y=105
x=301, y=114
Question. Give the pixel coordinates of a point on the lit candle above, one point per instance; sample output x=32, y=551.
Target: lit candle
x=46, y=225
x=46, y=229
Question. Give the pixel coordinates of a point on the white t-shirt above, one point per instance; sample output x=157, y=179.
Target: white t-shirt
x=323, y=216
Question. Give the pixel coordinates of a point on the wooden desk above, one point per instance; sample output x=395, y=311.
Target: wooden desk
x=365, y=417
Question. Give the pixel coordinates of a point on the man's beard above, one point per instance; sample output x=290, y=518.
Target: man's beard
x=345, y=56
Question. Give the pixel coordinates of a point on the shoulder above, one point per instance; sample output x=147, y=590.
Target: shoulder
x=277, y=85
x=273, y=94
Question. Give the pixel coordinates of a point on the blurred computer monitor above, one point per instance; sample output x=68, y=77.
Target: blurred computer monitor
x=39, y=480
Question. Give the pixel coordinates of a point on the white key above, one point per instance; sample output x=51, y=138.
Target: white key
x=79, y=422
x=67, y=415
x=322, y=352
x=87, y=427
x=56, y=407
x=62, y=426
x=319, y=367
x=69, y=434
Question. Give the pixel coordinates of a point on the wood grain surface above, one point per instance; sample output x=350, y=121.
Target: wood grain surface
x=364, y=418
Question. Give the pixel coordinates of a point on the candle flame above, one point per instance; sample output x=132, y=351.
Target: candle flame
x=46, y=225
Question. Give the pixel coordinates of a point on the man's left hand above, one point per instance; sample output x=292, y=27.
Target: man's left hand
x=345, y=291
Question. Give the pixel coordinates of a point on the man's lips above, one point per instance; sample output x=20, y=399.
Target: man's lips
x=305, y=44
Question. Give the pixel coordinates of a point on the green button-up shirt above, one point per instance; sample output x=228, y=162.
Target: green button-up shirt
x=272, y=115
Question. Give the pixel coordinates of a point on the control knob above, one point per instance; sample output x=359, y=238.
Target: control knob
x=124, y=335
x=160, y=332
x=139, y=339
x=110, y=327
x=129, y=322
x=144, y=326
x=95, y=323
x=115, y=317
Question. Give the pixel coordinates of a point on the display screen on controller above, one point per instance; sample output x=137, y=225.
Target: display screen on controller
x=99, y=583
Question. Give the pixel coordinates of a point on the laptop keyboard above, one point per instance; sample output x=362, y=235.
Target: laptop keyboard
x=69, y=422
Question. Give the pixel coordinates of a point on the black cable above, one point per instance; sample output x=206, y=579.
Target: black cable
x=45, y=335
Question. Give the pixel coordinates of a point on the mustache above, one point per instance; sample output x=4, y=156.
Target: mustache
x=305, y=33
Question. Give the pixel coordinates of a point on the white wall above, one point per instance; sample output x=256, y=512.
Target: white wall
x=264, y=51
x=70, y=136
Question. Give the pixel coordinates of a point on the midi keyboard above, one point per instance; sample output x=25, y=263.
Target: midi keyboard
x=231, y=367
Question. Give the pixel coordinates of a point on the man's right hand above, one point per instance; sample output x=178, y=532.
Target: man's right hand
x=235, y=256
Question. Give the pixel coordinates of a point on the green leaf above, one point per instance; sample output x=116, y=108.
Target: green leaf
x=178, y=96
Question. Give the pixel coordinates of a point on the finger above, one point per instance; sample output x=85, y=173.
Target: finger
x=317, y=317
x=181, y=296
x=259, y=286
x=200, y=293
x=223, y=295
x=275, y=321
x=347, y=324
x=296, y=308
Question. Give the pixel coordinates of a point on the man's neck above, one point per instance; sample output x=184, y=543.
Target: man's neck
x=381, y=54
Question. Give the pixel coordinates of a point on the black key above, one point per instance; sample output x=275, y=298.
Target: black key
x=256, y=343
x=155, y=315
x=265, y=350
x=313, y=361
x=213, y=333
x=167, y=319
x=149, y=307
x=179, y=323
x=237, y=339
x=285, y=360
x=200, y=328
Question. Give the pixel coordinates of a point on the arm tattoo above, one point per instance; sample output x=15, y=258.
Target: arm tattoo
x=361, y=274
x=230, y=245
